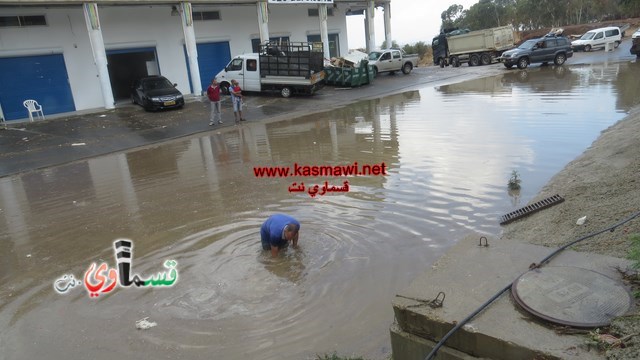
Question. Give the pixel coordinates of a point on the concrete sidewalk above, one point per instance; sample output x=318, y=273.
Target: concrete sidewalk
x=470, y=275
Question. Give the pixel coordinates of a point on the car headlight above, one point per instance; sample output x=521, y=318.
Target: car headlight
x=179, y=96
x=155, y=98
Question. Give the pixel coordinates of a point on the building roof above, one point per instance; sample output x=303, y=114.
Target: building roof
x=355, y=3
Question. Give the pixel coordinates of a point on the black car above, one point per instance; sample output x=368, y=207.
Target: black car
x=155, y=93
x=543, y=50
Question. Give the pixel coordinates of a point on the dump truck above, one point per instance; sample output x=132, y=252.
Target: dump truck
x=481, y=47
x=291, y=68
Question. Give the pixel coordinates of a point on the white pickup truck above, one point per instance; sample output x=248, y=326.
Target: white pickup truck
x=392, y=60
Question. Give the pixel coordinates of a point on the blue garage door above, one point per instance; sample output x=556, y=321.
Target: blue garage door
x=42, y=78
x=212, y=57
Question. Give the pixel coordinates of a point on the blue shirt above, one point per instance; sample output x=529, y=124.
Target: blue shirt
x=272, y=230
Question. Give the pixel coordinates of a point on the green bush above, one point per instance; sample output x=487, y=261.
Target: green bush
x=514, y=181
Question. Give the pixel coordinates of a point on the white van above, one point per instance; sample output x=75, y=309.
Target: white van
x=598, y=38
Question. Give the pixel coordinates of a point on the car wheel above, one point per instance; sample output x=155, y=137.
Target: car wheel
x=375, y=71
x=485, y=59
x=285, y=92
x=523, y=63
x=474, y=60
x=616, y=44
x=455, y=61
x=560, y=59
x=406, y=69
x=587, y=48
x=508, y=66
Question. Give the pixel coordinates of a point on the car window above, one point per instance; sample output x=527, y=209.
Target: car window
x=157, y=83
x=251, y=65
x=611, y=32
x=587, y=36
x=551, y=43
x=235, y=65
x=527, y=44
x=598, y=36
x=386, y=56
x=374, y=55
x=396, y=54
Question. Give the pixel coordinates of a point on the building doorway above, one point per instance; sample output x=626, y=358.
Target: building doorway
x=126, y=65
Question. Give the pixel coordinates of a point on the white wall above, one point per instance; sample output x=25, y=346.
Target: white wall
x=151, y=26
x=66, y=33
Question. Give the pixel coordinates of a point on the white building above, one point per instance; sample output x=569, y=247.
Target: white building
x=72, y=55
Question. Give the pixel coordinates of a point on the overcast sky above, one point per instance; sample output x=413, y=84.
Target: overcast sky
x=411, y=21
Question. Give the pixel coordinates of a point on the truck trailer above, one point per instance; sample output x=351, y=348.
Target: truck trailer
x=481, y=47
x=287, y=69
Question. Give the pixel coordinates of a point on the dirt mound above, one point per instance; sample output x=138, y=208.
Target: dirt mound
x=577, y=30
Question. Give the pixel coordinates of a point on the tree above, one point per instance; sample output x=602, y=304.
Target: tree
x=450, y=16
x=394, y=44
x=630, y=7
x=419, y=48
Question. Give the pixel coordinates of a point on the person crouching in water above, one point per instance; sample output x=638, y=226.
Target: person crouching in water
x=277, y=231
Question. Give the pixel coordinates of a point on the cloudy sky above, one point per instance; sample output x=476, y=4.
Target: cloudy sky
x=411, y=21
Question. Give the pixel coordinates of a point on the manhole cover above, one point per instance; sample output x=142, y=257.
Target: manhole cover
x=571, y=296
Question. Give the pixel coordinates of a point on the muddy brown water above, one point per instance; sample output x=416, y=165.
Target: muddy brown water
x=448, y=150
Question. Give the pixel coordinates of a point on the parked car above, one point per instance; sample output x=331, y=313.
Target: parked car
x=636, y=34
x=542, y=50
x=155, y=93
x=597, y=38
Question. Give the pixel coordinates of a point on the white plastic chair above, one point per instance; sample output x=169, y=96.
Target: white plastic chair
x=33, y=107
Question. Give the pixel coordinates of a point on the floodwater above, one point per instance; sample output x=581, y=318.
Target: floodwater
x=448, y=153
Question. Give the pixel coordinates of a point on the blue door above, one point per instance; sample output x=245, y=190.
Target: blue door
x=42, y=78
x=212, y=57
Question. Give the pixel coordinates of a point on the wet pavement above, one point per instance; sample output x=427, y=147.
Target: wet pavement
x=63, y=138
x=449, y=146
x=60, y=139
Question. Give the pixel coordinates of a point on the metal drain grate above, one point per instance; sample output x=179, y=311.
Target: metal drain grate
x=530, y=209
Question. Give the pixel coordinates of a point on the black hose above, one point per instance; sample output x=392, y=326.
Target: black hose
x=444, y=339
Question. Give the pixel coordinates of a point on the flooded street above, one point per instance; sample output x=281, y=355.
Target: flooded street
x=448, y=152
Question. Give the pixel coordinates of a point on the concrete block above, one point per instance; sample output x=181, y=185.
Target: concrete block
x=406, y=346
x=609, y=46
x=469, y=275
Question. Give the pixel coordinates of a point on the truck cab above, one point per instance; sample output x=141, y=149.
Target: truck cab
x=244, y=68
x=388, y=60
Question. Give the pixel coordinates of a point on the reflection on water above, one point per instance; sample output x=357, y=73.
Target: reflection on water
x=449, y=152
